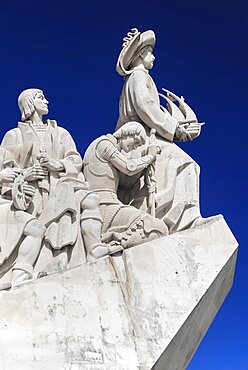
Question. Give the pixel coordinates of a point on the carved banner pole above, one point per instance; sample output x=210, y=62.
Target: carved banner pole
x=151, y=178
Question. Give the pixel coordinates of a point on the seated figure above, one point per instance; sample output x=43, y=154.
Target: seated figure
x=104, y=161
x=177, y=196
x=47, y=154
x=21, y=233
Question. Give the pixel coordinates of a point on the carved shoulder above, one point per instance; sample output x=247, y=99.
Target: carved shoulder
x=139, y=75
x=12, y=137
x=105, y=149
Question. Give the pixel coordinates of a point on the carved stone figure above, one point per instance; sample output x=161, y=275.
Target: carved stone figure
x=123, y=225
x=177, y=175
x=50, y=162
x=21, y=233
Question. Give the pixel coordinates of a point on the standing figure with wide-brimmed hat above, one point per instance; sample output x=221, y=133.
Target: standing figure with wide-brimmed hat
x=177, y=196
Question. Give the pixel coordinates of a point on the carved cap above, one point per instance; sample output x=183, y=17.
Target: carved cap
x=133, y=43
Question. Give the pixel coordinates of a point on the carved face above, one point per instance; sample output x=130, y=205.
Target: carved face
x=41, y=104
x=130, y=143
x=147, y=57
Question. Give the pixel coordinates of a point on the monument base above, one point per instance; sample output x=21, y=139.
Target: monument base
x=148, y=309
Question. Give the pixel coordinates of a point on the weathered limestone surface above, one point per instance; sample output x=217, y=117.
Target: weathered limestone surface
x=147, y=309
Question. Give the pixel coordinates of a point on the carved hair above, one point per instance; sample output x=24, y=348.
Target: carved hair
x=131, y=128
x=26, y=102
x=138, y=55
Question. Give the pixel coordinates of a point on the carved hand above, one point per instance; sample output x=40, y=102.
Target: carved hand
x=51, y=164
x=181, y=133
x=36, y=172
x=9, y=174
x=29, y=192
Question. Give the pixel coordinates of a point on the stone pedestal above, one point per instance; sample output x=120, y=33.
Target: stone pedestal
x=148, y=309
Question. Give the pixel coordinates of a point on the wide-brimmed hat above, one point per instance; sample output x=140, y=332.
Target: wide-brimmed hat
x=133, y=43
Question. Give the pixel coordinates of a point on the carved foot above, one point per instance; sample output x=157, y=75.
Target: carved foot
x=103, y=250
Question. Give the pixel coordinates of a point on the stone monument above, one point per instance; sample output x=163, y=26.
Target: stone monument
x=106, y=263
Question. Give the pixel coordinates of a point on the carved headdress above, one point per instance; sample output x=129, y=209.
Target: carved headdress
x=133, y=43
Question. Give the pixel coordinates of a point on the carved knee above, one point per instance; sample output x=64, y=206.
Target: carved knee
x=91, y=201
x=35, y=228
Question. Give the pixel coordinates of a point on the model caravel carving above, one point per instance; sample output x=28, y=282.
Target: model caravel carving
x=132, y=186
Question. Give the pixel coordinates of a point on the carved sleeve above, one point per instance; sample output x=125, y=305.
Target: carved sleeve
x=72, y=160
x=147, y=109
x=130, y=167
x=11, y=143
x=106, y=151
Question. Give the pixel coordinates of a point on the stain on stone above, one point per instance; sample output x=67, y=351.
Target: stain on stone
x=52, y=310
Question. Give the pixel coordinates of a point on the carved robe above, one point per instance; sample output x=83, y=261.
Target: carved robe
x=176, y=172
x=57, y=200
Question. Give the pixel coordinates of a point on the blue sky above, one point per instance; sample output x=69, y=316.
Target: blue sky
x=69, y=49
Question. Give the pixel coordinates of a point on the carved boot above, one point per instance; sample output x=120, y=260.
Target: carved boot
x=21, y=272
x=91, y=228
